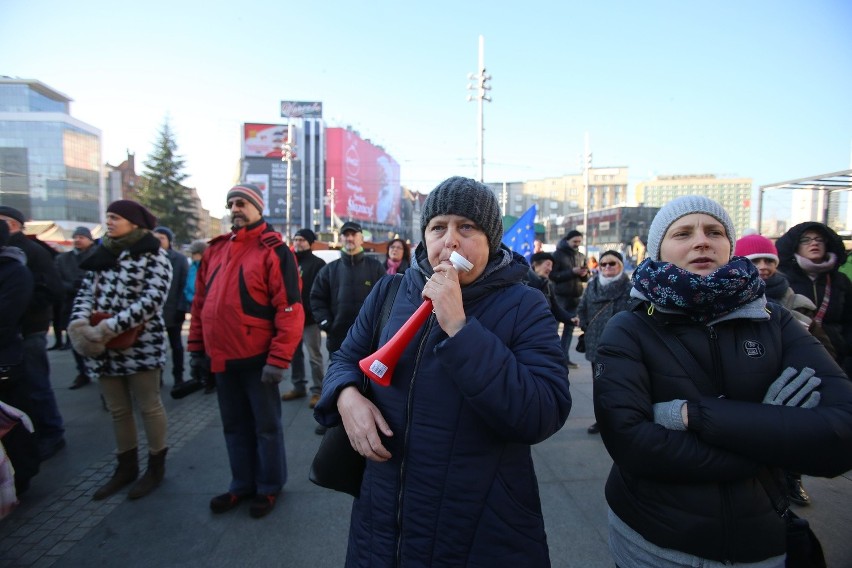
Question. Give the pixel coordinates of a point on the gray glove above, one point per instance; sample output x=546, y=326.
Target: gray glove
x=272, y=374
x=792, y=389
x=667, y=414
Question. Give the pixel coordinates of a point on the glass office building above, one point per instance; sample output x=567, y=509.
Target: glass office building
x=50, y=162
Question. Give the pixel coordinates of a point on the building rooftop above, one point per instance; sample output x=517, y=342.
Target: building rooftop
x=37, y=86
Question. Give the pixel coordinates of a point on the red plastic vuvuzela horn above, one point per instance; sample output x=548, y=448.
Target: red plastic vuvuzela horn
x=380, y=365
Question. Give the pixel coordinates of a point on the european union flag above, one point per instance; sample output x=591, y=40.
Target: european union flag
x=522, y=234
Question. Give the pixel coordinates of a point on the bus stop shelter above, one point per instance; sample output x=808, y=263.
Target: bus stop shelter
x=827, y=183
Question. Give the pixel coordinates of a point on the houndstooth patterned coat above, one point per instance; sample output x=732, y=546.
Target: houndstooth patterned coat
x=133, y=288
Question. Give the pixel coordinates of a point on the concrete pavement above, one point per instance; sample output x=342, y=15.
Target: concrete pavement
x=57, y=523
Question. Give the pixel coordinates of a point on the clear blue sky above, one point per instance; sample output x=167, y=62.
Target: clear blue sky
x=759, y=89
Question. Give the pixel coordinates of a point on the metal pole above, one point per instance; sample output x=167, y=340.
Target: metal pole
x=587, y=163
x=481, y=87
x=289, y=155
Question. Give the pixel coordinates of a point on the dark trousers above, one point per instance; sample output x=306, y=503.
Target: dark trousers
x=251, y=418
x=176, y=344
x=45, y=412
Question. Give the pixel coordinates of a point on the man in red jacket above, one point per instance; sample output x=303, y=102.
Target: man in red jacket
x=247, y=320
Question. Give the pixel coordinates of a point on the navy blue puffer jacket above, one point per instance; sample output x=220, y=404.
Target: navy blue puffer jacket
x=460, y=489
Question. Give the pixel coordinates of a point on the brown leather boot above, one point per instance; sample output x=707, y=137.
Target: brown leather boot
x=126, y=472
x=153, y=476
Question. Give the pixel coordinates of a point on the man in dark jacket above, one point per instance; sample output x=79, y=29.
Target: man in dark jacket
x=16, y=289
x=48, y=422
x=569, y=273
x=341, y=288
x=246, y=322
x=309, y=265
x=71, y=276
x=541, y=265
x=174, y=310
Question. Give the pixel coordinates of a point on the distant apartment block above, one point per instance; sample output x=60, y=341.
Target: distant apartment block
x=557, y=197
x=50, y=162
x=734, y=194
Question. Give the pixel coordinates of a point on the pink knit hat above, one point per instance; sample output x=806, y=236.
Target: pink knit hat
x=756, y=246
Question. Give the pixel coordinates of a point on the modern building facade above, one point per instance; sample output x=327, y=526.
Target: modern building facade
x=50, y=162
x=734, y=194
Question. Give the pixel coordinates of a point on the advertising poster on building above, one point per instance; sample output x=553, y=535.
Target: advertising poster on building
x=263, y=140
x=366, y=178
x=262, y=182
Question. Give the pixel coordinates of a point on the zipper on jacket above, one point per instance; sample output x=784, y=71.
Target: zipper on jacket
x=727, y=501
x=716, y=357
x=423, y=341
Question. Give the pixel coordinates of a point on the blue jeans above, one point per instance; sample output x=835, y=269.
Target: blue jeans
x=251, y=420
x=568, y=327
x=45, y=412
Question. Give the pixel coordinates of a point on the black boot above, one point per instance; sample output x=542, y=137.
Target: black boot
x=153, y=476
x=795, y=490
x=80, y=380
x=126, y=472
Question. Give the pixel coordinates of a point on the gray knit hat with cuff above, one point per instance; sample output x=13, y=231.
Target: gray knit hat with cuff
x=681, y=207
x=468, y=198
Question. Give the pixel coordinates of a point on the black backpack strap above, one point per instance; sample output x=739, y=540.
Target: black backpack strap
x=384, y=316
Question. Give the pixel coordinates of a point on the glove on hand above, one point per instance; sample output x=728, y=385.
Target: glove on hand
x=199, y=366
x=792, y=389
x=79, y=331
x=272, y=374
x=105, y=331
x=667, y=414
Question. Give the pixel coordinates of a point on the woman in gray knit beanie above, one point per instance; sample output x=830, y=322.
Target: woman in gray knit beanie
x=490, y=381
x=701, y=388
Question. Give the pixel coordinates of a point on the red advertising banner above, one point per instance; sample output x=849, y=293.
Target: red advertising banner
x=263, y=140
x=366, y=178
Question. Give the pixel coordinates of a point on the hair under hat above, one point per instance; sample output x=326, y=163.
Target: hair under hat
x=681, y=207
x=12, y=213
x=756, y=246
x=249, y=192
x=468, y=198
x=134, y=212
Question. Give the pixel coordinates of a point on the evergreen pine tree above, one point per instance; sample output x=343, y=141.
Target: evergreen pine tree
x=160, y=188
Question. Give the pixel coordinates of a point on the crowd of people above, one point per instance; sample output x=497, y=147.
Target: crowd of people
x=720, y=366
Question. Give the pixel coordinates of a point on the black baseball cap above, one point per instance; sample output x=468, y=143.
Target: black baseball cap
x=351, y=226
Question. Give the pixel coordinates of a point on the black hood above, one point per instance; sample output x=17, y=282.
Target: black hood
x=788, y=243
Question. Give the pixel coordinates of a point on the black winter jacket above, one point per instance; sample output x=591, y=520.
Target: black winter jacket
x=569, y=286
x=838, y=319
x=309, y=266
x=48, y=288
x=697, y=490
x=16, y=289
x=176, y=302
x=598, y=305
x=339, y=292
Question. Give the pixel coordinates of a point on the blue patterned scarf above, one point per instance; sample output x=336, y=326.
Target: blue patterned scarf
x=702, y=298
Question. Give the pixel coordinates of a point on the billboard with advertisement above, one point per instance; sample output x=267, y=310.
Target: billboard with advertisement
x=301, y=109
x=366, y=178
x=263, y=140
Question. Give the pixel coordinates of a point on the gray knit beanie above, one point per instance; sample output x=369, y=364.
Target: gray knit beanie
x=468, y=198
x=681, y=207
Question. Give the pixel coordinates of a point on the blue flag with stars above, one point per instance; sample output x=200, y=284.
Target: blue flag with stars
x=522, y=234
